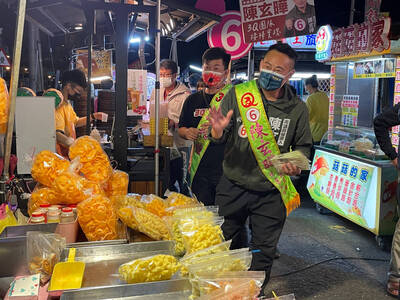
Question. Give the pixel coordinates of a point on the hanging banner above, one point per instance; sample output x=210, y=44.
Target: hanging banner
x=228, y=34
x=101, y=63
x=296, y=42
x=265, y=20
x=378, y=68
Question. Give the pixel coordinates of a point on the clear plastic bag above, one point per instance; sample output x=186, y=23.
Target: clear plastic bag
x=156, y=205
x=42, y=195
x=297, y=158
x=148, y=269
x=201, y=232
x=97, y=219
x=176, y=235
x=47, y=166
x=211, y=282
x=133, y=200
x=232, y=260
x=248, y=290
x=117, y=184
x=150, y=224
x=176, y=199
x=95, y=163
x=43, y=252
x=125, y=214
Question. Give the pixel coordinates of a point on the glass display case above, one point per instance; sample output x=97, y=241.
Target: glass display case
x=360, y=142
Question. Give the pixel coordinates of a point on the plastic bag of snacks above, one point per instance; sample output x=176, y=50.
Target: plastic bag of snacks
x=201, y=232
x=42, y=195
x=150, y=224
x=147, y=269
x=73, y=188
x=125, y=214
x=43, y=252
x=133, y=200
x=175, y=199
x=95, y=163
x=47, y=166
x=117, y=184
x=156, y=205
x=210, y=282
x=176, y=235
x=246, y=290
x=97, y=219
x=187, y=260
x=232, y=260
x=4, y=104
x=297, y=158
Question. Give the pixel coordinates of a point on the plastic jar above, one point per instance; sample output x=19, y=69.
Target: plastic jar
x=45, y=208
x=37, y=217
x=53, y=214
x=73, y=206
x=67, y=215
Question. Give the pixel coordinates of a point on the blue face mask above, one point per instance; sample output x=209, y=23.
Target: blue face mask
x=270, y=80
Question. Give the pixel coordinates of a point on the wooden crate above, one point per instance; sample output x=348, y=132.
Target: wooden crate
x=165, y=140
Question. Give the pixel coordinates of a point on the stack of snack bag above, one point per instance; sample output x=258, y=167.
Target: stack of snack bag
x=87, y=180
x=4, y=103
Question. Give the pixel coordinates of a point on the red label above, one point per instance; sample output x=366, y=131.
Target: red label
x=248, y=100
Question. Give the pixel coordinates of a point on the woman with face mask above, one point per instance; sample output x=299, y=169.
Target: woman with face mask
x=173, y=94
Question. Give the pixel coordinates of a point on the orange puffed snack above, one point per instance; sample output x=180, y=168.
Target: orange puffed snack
x=73, y=188
x=157, y=206
x=95, y=163
x=43, y=195
x=47, y=166
x=98, y=219
x=3, y=106
x=117, y=184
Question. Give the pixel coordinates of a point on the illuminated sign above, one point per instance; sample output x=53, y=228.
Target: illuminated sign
x=323, y=43
x=297, y=42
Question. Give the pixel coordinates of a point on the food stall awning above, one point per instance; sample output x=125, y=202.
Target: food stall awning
x=59, y=17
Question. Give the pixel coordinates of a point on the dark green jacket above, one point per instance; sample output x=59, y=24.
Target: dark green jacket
x=240, y=165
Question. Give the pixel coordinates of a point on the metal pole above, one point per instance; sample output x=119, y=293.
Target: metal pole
x=89, y=90
x=16, y=63
x=249, y=66
x=33, y=57
x=157, y=98
x=351, y=12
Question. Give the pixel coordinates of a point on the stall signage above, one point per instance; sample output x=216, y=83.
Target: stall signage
x=4, y=62
x=101, y=63
x=265, y=20
x=358, y=40
x=323, y=43
x=372, y=8
x=344, y=186
x=377, y=68
x=349, y=107
x=228, y=34
x=297, y=42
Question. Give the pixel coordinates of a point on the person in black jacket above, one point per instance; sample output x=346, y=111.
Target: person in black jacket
x=382, y=124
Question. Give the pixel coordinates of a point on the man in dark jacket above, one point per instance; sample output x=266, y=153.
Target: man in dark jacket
x=257, y=120
x=382, y=124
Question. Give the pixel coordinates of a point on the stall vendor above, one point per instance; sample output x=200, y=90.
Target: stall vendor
x=73, y=89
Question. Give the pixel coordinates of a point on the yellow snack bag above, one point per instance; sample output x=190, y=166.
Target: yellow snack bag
x=117, y=184
x=47, y=166
x=42, y=195
x=153, y=268
x=150, y=224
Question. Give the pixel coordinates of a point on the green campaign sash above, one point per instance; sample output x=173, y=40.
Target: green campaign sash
x=202, y=142
x=262, y=140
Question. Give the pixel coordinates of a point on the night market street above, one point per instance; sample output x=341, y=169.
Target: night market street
x=309, y=238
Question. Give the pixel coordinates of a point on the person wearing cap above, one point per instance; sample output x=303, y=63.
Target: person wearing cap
x=73, y=89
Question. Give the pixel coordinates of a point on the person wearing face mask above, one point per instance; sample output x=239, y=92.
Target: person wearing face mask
x=73, y=89
x=207, y=157
x=318, y=108
x=174, y=93
x=256, y=121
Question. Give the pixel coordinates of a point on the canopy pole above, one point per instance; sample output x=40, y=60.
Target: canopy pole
x=16, y=63
x=157, y=99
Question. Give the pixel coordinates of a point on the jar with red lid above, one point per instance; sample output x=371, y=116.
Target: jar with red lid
x=67, y=215
x=73, y=206
x=45, y=209
x=37, y=217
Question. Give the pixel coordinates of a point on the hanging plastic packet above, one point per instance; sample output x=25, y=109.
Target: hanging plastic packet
x=42, y=195
x=176, y=199
x=47, y=166
x=117, y=184
x=156, y=205
x=148, y=269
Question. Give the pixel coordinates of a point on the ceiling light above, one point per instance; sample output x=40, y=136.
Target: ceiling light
x=78, y=27
x=146, y=38
x=8, y=68
x=198, y=69
x=135, y=40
